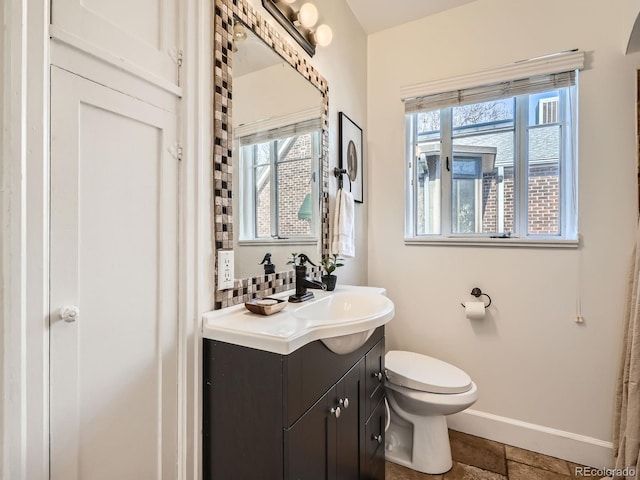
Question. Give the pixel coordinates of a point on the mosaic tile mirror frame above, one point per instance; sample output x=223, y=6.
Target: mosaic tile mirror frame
x=246, y=289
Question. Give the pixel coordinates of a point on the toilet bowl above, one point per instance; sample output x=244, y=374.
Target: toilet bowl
x=421, y=391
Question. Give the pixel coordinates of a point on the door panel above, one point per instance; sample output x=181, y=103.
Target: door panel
x=114, y=247
x=374, y=377
x=373, y=466
x=310, y=443
x=348, y=425
x=141, y=33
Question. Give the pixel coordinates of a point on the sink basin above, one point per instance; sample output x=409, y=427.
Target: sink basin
x=347, y=343
x=343, y=320
x=358, y=315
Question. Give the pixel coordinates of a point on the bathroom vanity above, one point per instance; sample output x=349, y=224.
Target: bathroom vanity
x=309, y=413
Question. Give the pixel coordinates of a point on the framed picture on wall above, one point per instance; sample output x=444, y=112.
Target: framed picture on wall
x=351, y=154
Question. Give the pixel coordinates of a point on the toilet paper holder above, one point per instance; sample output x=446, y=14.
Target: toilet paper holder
x=476, y=292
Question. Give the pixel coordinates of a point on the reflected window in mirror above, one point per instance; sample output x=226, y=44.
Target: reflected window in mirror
x=279, y=192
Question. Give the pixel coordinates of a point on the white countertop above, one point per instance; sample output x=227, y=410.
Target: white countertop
x=283, y=332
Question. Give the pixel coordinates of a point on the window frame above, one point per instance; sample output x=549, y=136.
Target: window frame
x=568, y=235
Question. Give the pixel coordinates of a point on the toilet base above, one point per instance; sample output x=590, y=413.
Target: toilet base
x=425, y=449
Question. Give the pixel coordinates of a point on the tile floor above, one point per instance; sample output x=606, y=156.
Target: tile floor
x=475, y=458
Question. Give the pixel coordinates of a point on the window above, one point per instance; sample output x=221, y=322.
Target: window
x=548, y=110
x=483, y=164
x=279, y=183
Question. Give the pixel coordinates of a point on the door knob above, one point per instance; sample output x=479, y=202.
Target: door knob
x=335, y=411
x=69, y=313
x=377, y=438
x=377, y=375
x=344, y=402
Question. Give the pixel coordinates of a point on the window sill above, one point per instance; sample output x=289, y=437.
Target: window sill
x=279, y=241
x=494, y=242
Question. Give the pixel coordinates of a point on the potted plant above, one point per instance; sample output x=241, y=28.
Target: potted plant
x=294, y=259
x=329, y=264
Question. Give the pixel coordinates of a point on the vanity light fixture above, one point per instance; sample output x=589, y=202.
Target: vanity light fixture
x=300, y=23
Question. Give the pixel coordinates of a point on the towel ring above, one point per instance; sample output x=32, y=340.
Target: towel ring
x=338, y=172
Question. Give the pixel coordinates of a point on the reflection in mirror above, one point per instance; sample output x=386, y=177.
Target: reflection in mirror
x=277, y=144
x=226, y=214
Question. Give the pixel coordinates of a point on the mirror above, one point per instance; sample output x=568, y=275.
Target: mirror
x=277, y=131
x=229, y=218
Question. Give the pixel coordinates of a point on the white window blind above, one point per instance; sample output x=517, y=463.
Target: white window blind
x=531, y=76
x=268, y=129
x=487, y=93
x=286, y=131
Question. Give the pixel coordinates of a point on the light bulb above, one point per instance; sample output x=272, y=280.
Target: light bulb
x=239, y=32
x=323, y=35
x=308, y=15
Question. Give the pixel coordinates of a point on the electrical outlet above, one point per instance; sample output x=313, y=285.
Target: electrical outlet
x=225, y=269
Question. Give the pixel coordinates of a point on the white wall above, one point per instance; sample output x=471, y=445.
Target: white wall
x=531, y=361
x=288, y=93
x=2, y=234
x=344, y=64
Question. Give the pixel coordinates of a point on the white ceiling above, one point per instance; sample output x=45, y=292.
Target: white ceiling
x=376, y=15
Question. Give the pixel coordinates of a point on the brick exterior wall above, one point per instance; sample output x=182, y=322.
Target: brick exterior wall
x=490, y=201
x=544, y=200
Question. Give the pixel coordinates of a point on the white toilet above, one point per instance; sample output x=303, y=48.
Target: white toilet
x=421, y=390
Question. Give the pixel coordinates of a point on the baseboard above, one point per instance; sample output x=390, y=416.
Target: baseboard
x=549, y=441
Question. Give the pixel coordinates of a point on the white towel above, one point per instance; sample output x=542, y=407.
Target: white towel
x=343, y=239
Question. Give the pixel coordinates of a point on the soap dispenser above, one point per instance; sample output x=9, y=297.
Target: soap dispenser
x=268, y=266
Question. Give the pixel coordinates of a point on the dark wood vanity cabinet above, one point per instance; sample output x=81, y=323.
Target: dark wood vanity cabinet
x=272, y=416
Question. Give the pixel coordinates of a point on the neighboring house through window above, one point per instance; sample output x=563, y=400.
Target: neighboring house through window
x=494, y=161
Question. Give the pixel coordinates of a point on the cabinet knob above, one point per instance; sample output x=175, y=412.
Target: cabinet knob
x=69, y=313
x=377, y=375
x=377, y=438
x=344, y=402
x=335, y=411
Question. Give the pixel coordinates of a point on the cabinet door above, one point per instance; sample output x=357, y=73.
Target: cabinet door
x=114, y=255
x=374, y=377
x=323, y=445
x=310, y=451
x=373, y=461
x=348, y=425
x=141, y=36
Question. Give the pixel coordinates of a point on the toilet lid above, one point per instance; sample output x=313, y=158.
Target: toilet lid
x=424, y=373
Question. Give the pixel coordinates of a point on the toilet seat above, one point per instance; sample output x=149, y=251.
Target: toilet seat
x=424, y=373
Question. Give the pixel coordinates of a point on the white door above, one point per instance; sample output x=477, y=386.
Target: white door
x=114, y=250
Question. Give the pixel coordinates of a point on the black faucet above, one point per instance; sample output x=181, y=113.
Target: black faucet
x=303, y=282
